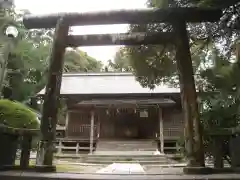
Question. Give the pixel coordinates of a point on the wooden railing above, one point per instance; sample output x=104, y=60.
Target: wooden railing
x=12, y=139
x=60, y=147
x=173, y=132
x=81, y=131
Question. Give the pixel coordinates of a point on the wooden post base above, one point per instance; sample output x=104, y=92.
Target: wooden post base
x=45, y=153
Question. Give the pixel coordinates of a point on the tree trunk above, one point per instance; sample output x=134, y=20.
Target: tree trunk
x=193, y=135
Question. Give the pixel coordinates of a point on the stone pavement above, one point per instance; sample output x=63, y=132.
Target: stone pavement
x=13, y=175
x=136, y=168
x=122, y=168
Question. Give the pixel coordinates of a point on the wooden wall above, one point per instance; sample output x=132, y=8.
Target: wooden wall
x=173, y=123
x=79, y=124
x=122, y=124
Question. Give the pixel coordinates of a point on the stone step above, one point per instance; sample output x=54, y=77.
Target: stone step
x=117, y=157
x=141, y=162
x=74, y=156
x=124, y=157
x=146, y=145
x=153, y=159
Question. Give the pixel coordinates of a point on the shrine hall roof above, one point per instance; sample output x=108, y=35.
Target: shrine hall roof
x=106, y=83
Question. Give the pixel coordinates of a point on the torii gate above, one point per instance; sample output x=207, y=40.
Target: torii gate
x=178, y=17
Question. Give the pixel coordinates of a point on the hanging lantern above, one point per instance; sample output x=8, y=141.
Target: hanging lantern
x=107, y=111
x=144, y=113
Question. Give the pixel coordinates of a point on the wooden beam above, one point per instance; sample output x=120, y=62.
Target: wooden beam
x=51, y=98
x=124, y=17
x=121, y=39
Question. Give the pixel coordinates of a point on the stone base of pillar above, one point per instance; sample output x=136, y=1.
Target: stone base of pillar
x=45, y=153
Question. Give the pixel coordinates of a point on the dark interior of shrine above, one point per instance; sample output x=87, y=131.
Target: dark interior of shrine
x=135, y=124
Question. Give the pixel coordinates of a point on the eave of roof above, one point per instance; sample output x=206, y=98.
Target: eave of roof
x=110, y=102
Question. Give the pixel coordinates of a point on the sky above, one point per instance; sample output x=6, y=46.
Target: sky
x=103, y=53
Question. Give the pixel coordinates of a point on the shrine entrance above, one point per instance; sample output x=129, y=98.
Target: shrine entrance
x=130, y=125
x=177, y=17
x=126, y=125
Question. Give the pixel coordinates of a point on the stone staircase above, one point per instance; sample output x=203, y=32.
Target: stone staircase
x=124, y=145
x=108, y=152
x=126, y=151
x=134, y=158
x=117, y=157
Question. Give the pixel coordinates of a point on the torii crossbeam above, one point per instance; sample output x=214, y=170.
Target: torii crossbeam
x=178, y=17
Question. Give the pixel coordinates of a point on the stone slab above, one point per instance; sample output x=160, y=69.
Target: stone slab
x=122, y=168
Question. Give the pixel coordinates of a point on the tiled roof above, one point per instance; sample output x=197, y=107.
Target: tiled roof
x=106, y=83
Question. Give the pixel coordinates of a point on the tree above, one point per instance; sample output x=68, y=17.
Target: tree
x=154, y=64
x=28, y=62
x=120, y=62
x=78, y=61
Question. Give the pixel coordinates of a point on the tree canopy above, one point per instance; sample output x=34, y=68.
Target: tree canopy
x=154, y=64
x=28, y=61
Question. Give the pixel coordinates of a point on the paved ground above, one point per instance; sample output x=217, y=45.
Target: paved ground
x=163, y=170
x=120, y=168
x=135, y=168
x=11, y=175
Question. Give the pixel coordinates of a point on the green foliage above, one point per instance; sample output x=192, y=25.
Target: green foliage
x=222, y=107
x=155, y=64
x=78, y=61
x=120, y=62
x=29, y=59
x=16, y=115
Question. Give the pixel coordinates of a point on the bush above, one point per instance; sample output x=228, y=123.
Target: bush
x=17, y=115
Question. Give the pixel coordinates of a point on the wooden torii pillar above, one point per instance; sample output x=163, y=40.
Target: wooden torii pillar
x=178, y=17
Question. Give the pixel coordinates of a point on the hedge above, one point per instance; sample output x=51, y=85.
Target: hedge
x=17, y=115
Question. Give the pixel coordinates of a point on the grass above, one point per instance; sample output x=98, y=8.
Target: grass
x=69, y=168
x=60, y=167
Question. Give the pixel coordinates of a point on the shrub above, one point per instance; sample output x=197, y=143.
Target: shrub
x=17, y=115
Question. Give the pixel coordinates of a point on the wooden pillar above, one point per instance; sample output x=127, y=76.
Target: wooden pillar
x=193, y=135
x=218, y=154
x=26, y=150
x=60, y=147
x=91, y=132
x=77, y=149
x=67, y=122
x=161, y=135
x=51, y=98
